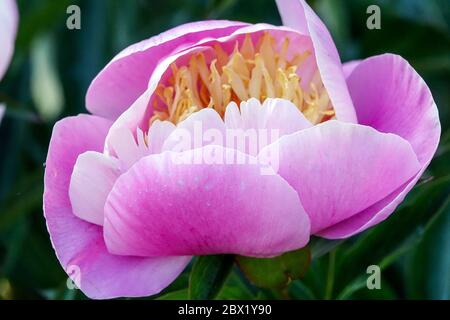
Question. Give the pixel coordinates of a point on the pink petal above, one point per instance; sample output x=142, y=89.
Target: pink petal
x=203, y=127
x=348, y=67
x=92, y=179
x=199, y=129
x=269, y=121
x=265, y=123
x=340, y=169
x=79, y=245
x=178, y=204
x=157, y=135
x=126, y=77
x=279, y=114
x=298, y=14
x=391, y=97
x=125, y=147
x=9, y=17
x=136, y=117
x=370, y=216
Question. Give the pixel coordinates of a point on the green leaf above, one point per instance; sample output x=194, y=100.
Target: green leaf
x=315, y=278
x=29, y=191
x=237, y=288
x=31, y=262
x=277, y=272
x=300, y=291
x=175, y=295
x=208, y=275
x=358, y=290
x=428, y=269
x=391, y=239
x=321, y=246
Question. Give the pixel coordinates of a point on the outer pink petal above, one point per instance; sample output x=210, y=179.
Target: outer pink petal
x=298, y=14
x=348, y=67
x=340, y=169
x=79, y=245
x=169, y=204
x=126, y=77
x=391, y=97
x=9, y=17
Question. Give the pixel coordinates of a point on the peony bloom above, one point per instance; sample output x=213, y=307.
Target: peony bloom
x=127, y=207
x=8, y=30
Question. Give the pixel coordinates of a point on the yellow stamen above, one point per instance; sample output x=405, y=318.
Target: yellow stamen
x=248, y=51
x=262, y=71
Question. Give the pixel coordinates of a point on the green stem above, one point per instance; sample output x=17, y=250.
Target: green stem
x=330, y=275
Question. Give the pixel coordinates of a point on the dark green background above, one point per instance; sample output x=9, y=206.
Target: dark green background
x=412, y=247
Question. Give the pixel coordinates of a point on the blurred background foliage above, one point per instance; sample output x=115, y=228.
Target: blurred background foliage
x=53, y=67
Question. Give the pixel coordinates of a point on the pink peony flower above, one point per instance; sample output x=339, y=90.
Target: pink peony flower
x=127, y=206
x=8, y=21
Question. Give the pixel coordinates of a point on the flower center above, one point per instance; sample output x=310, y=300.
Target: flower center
x=250, y=71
